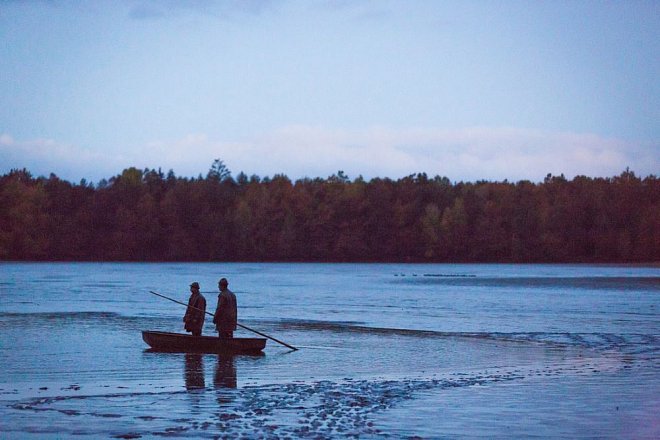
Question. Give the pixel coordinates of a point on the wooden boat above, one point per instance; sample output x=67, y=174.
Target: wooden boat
x=182, y=343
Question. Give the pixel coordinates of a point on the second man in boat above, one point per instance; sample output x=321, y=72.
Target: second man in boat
x=225, y=316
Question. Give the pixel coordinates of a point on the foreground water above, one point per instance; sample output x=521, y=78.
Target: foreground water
x=386, y=351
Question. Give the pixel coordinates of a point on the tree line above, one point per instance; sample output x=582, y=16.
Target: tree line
x=147, y=215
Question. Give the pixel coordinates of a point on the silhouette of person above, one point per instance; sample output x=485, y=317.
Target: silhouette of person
x=225, y=316
x=193, y=320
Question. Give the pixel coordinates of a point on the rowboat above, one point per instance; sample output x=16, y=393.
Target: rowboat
x=182, y=343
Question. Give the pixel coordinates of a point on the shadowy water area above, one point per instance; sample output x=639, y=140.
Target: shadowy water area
x=385, y=351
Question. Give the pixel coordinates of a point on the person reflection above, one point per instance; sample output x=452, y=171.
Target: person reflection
x=225, y=372
x=194, y=372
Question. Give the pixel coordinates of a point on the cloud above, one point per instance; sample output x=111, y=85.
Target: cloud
x=461, y=154
x=307, y=151
x=45, y=156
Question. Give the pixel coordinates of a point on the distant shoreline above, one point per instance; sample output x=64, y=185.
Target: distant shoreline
x=145, y=215
x=503, y=263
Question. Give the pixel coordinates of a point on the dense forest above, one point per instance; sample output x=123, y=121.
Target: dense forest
x=146, y=215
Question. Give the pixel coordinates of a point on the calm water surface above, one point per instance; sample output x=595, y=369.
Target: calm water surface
x=386, y=351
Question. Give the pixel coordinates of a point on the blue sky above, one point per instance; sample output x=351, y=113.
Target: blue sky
x=468, y=90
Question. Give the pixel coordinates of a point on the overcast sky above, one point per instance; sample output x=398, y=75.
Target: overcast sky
x=468, y=90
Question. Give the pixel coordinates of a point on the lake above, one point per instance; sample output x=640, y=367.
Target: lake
x=385, y=351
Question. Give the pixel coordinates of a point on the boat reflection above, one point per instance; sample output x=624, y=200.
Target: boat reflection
x=194, y=371
x=225, y=369
x=225, y=372
x=224, y=375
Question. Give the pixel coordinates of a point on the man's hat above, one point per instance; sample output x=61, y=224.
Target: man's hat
x=195, y=285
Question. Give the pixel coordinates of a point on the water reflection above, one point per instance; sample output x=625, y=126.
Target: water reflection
x=194, y=371
x=225, y=372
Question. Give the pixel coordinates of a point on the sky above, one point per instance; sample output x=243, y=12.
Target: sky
x=470, y=90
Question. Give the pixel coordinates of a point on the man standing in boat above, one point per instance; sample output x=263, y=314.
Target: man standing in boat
x=226, y=312
x=193, y=320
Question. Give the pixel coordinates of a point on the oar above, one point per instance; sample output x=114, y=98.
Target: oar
x=240, y=325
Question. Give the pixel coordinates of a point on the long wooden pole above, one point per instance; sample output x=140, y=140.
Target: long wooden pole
x=238, y=324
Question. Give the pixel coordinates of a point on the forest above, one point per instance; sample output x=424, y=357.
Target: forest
x=147, y=215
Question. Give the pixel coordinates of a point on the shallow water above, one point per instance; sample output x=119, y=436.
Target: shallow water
x=386, y=351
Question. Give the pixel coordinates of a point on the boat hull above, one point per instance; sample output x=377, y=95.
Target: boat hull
x=181, y=343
